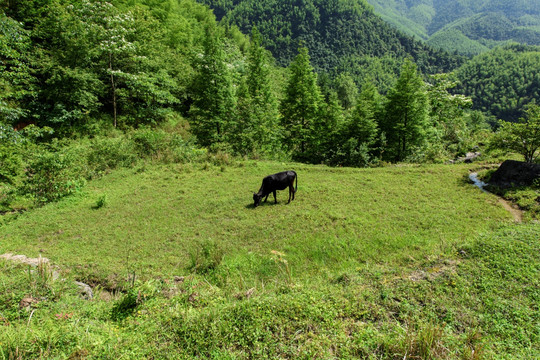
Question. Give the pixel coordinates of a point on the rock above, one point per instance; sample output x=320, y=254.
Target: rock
x=85, y=290
x=513, y=173
x=469, y=157
x=27, y=302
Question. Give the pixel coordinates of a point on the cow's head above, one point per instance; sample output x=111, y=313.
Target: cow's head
x=256, y=199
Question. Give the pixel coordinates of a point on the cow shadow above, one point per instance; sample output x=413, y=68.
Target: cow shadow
x=252, y=206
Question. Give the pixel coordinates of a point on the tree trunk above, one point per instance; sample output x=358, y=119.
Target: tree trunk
x=113, y=88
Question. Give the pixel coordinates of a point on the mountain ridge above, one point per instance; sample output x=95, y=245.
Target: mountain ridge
x=448, y=24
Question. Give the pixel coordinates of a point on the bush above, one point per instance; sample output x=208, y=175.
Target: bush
x=149, y=142
x=10, y=164
x=51, y=176
x=110, y=153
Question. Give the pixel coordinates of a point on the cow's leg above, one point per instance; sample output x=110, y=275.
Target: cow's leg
x=266, y=197
x=291, y=192
x=275, y=198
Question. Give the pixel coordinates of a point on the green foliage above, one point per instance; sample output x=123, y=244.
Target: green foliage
x=15, y=77
x=107, y=153
x=406, y=114
x=125, y=306
x=214, y=100
x=447, y=113
x=257, y=131
x=522, y=137
x=347, y=91
x=101, y=202
x=10, y=164
x=206, y=257
x=358, y=135
x=468, y=27
x=300, y=107
x=503, y=81
x=51, y=176
x=331, y=30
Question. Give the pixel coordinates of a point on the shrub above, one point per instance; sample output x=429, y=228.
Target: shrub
x=101, y=202
x=50, y=176
x=10, y=164
x=109, y=153
x=149, y=142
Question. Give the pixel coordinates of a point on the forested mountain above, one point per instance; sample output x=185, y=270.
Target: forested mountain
x=503, y=81
x=338, y=33
x=467, y=26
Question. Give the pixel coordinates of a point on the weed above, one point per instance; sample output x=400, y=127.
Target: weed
x=126, y=305
x=283, y=265
x=206, y=257
x=101, y=202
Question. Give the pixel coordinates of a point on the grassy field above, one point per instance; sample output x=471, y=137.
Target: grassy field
x=386, y=263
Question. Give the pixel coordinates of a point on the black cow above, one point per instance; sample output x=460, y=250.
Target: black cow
x=274, y=182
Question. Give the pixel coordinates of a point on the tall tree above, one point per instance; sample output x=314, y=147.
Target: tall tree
x=346, y=90
x=112, y=31
x=447, y=113
x=258, y=127
x=15, y=78
x=406, y=120
x=359, y=134
x=300, y=106
x=214, y=102
x=326, y=129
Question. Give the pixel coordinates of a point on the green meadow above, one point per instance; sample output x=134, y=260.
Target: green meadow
x=400, y=262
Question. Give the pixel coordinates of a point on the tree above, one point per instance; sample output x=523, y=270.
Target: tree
x=522, y=137
x=258, y=129
x=326, y=129
x=111, y=31
x=214, y=103
x=300, y=106
x=360, y=131
x=15, y=78
x=406, y=121
x=346, y=90
x=447, y=113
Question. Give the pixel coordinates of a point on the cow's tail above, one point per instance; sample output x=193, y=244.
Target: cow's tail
x=296, y=189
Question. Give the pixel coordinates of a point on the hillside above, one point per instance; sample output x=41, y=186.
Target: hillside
x=502, y=81
x=359, y=264
x=336, y=32
x=469, y=27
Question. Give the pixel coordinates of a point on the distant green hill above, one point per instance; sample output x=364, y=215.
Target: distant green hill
x=336, y=32
x=466, y=26
x=502, y=81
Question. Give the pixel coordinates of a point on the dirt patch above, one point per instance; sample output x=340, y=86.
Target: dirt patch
x=447, y=267
x=516, y=213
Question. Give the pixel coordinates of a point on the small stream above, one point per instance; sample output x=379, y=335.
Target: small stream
x=477, y=182
x=516, y=213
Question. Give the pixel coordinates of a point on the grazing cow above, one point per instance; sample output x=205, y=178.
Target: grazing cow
x=274, y=182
